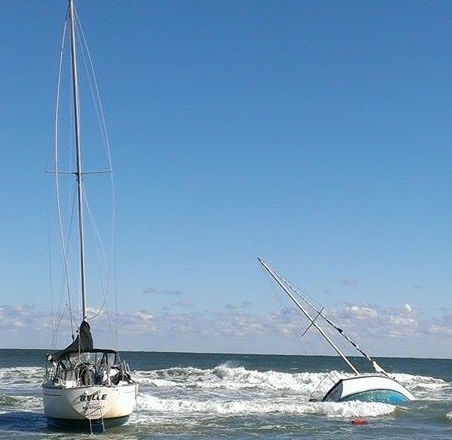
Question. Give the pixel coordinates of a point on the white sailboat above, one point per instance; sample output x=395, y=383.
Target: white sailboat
x=375, y=387
x=85, y=387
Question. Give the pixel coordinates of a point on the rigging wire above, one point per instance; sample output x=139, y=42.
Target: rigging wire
x=97, y=101
x=100, y=251
x=291, y=290
x=286, y=310
x=335, y=326
x=57, y=172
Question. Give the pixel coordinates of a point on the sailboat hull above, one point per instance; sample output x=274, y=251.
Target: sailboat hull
x=369, y=388
x=95, y=425
x=79, y=407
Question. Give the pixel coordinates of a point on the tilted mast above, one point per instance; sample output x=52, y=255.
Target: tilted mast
x=283, y=285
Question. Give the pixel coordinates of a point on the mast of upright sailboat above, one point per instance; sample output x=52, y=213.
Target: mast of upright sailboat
x=79, y=172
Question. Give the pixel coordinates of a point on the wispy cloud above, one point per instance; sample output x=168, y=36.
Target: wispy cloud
x=183, y=303
x=348, y=282
x=153, y=291
x=241, y=306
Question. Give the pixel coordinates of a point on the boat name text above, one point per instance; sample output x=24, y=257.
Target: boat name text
x=96, y=396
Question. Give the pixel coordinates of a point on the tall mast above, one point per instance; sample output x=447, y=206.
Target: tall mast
x=78, y=173
x=282, y=284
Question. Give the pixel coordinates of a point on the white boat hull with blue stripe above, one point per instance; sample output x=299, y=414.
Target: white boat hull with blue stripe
x=369, y=388
x=376, y=387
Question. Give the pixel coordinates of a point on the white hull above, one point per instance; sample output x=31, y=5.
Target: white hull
x=89, y=403
x=369, y=388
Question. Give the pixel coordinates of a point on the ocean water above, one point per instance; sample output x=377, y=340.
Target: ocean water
x=240, y=397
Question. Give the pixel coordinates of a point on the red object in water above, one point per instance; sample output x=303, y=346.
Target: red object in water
x=360, y=422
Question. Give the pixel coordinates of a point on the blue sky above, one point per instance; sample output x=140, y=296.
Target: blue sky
x=316, y=135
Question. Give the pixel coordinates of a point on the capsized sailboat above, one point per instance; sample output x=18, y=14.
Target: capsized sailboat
x=85, y=387
x=376, y=387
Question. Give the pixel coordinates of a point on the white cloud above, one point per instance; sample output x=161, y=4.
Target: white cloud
x=184, y=303
x=382, y=330
x=360, y=312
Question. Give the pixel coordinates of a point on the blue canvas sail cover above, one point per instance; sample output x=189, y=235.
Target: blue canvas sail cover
x=83, y=342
